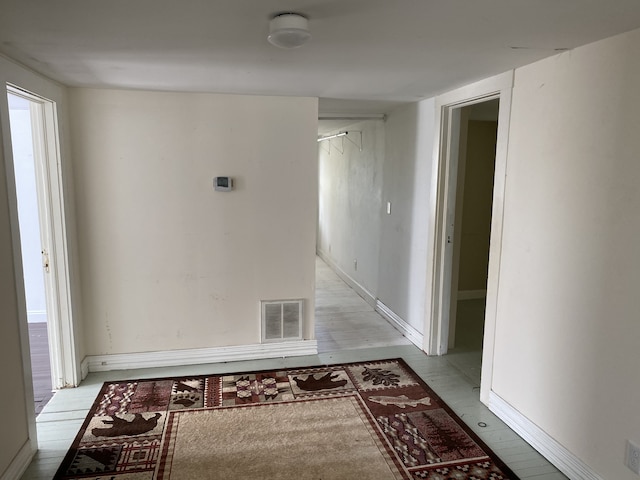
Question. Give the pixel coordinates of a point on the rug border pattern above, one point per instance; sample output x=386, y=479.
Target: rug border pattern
x=211, y=391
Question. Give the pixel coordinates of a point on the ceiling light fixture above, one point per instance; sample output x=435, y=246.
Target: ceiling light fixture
x=289, y=30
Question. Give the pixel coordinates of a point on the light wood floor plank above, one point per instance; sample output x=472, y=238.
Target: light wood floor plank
x=40, y=364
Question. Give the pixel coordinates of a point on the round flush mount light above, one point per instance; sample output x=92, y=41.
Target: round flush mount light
x=289, y=30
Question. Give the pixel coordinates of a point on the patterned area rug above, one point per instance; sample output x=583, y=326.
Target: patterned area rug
x=371, y=420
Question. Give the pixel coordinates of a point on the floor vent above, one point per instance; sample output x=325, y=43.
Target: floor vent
x=281, y=320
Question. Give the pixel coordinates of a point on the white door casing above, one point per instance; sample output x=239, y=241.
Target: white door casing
x=442, y=213
x=64, y=366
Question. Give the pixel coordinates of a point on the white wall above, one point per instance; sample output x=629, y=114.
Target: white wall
x=167, y=262
x=566, y=348
x=407, y=185
x=351, y=202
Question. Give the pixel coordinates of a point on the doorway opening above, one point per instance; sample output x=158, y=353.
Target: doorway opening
x=470, y=231
x=24, y=131
x=472, y=223
x=452, y=118
x=464, y=222
x=40, y=218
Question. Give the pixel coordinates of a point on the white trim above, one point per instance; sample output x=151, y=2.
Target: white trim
x=471, y=294
x=359, y=289
x=53, y=233
x=436, y=333
x=407, y=330
x=66, y=334
x=198, y=356
x=567, y=462
x=37, y=316
x=495, y=248
x=438, y=291
x=352, y=116
x=84, y=368
x=19, y=463
x=61, y=326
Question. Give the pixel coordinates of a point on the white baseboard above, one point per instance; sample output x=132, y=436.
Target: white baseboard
x=471, y=294
x=84, y=368
x=20, y=463
x=346, y=278
x=407, y=330
x=558, y=455
x=37, y=316
x=198, y=356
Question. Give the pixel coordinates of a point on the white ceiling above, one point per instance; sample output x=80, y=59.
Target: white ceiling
x=365, y=55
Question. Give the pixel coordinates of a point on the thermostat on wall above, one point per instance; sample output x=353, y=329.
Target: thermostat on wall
x=223, y=184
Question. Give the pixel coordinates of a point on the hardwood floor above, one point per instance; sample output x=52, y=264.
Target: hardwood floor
x=40, y=365
x=348, y=330
x=344, y=321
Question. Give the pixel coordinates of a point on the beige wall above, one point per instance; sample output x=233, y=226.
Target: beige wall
x=566, y=349
x=167, y=262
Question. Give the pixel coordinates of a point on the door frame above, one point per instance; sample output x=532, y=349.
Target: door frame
x=53, y=228
x=439, y=262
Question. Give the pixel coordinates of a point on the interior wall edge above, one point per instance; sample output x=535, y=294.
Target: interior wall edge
x=20, y=462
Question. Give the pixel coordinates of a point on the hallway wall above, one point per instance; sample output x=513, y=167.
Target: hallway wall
x=566, y=353
x=350, y=202
x=408, y=176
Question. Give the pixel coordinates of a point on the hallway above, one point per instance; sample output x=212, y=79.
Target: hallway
x=344, y=321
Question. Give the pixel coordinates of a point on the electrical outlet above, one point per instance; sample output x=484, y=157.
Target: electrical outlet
x=633, y=457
